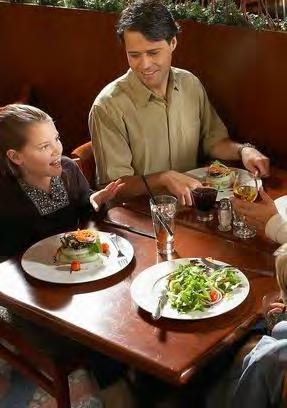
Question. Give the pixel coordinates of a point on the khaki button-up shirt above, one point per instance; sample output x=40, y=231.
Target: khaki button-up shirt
x=135, y=132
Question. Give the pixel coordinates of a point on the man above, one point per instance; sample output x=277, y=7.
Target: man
x=155, y=120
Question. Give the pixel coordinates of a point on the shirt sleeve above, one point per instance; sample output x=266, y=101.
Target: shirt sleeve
x=276, y=229
x=110, y=142
x=212, y=128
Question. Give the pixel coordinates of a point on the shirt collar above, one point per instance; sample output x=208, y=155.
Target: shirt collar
x=142, y=94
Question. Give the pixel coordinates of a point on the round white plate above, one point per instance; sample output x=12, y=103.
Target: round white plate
x=38, y=261
x=147, y=287
x=200, y=174
x=281, y=205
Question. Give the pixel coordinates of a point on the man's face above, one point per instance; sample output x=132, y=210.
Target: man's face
x=150, y=60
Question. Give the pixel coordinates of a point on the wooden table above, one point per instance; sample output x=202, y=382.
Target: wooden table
x=102, y=315
x=275, y=185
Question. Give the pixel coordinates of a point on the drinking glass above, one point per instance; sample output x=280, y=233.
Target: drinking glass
x=163, y=208
x=204, y=199
x=245, y=187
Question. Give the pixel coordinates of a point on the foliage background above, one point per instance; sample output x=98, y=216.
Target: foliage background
x=265, y=14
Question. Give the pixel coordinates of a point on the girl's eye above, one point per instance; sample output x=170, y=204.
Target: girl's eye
x=44, y=147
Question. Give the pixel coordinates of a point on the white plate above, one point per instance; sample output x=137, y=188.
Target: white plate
x=147, y=287
x=38, y=261
x=281, y=205
x=200, y=174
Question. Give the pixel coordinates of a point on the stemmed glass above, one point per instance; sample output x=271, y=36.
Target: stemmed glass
x=245, y=187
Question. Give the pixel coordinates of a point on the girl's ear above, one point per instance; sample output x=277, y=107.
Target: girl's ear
x=14, y=156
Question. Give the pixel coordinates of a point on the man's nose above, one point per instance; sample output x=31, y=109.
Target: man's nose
x=145, y=62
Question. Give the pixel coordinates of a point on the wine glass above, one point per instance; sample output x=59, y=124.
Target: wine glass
x=245, y=187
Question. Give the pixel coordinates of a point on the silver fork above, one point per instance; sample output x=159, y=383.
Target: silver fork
x=211, y=264
x=123, y=262
x=114, y=240
x=216, y=266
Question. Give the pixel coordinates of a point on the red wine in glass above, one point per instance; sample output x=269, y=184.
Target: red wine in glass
x=204, y=199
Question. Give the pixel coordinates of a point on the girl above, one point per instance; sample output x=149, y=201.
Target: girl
x=43, y=192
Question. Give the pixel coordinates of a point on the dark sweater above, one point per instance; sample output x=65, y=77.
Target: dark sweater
x=21, y=224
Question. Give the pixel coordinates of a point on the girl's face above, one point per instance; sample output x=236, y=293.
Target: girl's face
x=41, y=155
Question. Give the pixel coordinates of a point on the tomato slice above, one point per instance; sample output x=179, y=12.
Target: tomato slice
x=75, y=266
x=214, y=295
x=105, y=247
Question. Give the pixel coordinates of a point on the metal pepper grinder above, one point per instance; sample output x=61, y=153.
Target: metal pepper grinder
x=224, y=215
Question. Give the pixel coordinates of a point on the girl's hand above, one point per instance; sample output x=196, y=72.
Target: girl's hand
x=108, y=193
x=276, y=308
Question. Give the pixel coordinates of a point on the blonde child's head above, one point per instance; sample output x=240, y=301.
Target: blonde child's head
x=15, y=121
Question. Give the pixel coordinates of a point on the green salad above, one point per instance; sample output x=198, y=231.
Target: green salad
x=194, y=286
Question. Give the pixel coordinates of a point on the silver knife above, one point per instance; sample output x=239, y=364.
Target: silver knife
x=162, y=300
x=127, y=227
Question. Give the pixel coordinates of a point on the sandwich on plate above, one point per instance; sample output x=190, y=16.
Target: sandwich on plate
x=220, y=176
x=81, y=245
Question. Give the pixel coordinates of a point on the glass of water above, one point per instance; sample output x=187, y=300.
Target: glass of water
x=163, y=210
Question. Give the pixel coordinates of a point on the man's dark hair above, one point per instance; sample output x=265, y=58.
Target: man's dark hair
x=151, y=18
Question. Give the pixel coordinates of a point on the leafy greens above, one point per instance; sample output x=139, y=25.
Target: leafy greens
x=190, y=285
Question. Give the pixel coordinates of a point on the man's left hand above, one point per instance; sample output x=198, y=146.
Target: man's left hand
x=255, y=162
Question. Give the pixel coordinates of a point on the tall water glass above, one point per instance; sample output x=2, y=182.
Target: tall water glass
x=164, y=209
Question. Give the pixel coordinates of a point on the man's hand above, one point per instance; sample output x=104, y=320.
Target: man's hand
x=180, y=185
x=255, y=162
x=256, y=214
x=102, y=196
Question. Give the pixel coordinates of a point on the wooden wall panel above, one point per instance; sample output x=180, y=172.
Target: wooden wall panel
x=66, y=55
x=69, y=55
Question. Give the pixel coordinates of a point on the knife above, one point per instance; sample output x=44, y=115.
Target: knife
x=162, y=300
x=127, y=227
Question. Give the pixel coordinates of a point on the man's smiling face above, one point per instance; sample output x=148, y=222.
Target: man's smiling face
x=150, y=60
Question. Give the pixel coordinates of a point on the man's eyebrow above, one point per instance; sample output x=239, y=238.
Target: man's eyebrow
x=139, y=52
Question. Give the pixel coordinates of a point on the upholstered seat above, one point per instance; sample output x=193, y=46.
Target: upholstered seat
x=86, y=161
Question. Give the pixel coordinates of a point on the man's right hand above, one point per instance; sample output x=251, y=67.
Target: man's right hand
x=179, y=185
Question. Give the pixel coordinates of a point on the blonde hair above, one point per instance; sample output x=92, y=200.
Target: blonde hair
x=281, y=271
x=14, y=122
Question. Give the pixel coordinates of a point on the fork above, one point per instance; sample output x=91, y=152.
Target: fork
x=114, y=240
x=123, y=262
x=216, y=266
x=211, y=264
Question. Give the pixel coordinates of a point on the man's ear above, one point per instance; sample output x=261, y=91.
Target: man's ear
x=173, y=43
x=14, y=156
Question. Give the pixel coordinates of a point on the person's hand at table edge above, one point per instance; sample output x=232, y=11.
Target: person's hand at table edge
x=258, y=213
x=179, y=185
x=255, y=162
